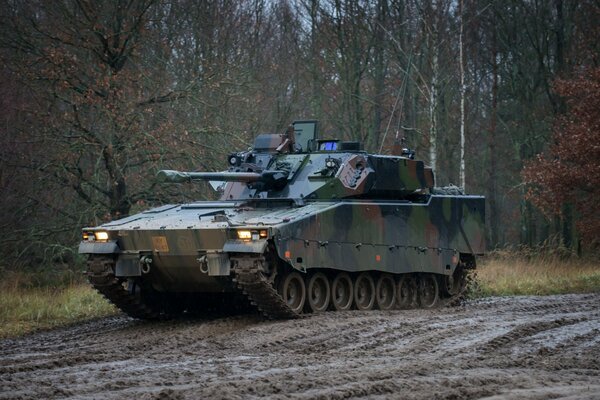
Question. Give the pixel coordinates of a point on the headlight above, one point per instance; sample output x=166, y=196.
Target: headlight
x=101, y=236
x=245, y=234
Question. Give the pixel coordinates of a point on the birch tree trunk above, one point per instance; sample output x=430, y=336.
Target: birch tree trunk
x=492, y=184
x=462, y=100
x=433, y=95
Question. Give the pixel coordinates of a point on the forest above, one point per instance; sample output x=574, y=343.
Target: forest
x=501, y=97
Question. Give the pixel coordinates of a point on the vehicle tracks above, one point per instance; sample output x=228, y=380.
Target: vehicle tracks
x=521, y=347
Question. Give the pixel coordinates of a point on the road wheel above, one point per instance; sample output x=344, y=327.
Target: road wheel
x=318, y=292
x=364, y=291
x=385, y=291
x=293, y=291
x=428, y=291
x=342, y=292
x=406, y=292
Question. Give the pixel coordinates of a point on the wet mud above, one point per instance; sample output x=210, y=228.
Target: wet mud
x=497, y=348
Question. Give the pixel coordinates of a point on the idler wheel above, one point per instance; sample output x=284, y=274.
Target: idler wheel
x=455, y=283
x=406, y=292
x=364, y=291
x=427, y=292
x=342, y=292
x=319, y=292
x=293, y=291
x=385, y=292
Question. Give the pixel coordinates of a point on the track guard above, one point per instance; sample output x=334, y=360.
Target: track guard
x=242, y=246
x=110, y=247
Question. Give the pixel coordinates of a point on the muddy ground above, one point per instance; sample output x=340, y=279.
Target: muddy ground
x=520, y=347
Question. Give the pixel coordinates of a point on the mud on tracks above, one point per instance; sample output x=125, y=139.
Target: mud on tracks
x=520, y=347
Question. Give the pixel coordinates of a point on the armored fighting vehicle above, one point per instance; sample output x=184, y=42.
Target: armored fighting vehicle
x=303, y=225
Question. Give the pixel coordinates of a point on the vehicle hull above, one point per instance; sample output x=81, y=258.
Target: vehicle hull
x=397, y=237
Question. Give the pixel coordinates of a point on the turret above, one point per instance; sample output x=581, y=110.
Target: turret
x=282, y=166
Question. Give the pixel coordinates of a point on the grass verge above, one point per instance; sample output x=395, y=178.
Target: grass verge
x=504, y=273
x=24, y=310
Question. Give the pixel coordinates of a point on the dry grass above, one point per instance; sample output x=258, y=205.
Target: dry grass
x=514, y=273
x=24, y=310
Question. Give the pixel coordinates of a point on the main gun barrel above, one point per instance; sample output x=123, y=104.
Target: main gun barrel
x=173, y=176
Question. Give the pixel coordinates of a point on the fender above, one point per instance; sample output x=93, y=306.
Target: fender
x=110, y=247
x=241, y=246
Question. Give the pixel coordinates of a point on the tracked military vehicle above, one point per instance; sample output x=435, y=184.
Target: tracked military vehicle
x=303, y=225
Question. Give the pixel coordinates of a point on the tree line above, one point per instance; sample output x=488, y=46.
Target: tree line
x=97, y=96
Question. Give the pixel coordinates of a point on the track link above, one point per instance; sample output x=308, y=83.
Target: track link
x=100, y=272
x=249, y=278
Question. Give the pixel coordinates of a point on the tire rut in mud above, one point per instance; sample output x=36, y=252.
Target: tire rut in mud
x=521, y=347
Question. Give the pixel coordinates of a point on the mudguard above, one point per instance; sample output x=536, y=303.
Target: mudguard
x=241, y=246
x=110, y=247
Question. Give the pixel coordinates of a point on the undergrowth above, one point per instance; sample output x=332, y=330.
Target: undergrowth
x=506, y=273
x=30, y=302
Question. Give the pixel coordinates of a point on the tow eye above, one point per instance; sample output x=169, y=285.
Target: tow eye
x=215, y=263
x=203, y=264
x=145, y=262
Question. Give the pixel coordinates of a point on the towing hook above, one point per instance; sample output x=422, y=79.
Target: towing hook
x=203, y=264
x=145, y=262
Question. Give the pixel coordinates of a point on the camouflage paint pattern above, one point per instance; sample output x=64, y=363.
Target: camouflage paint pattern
x=389, y=236
x=344, y=210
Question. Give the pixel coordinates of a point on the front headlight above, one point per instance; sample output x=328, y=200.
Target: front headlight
x=245, y=234
x=101, y=236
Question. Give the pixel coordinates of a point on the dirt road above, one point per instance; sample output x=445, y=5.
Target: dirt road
x=523, y=347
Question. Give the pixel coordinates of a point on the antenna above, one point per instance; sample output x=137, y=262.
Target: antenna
x=403, y=92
